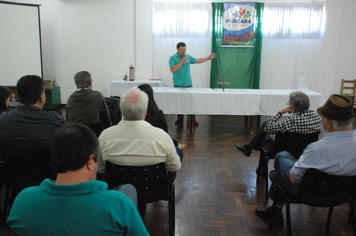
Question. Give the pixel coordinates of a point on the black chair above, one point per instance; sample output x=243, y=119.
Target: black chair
x=319, y=189
x=113, y=104
x=22, y=170
x=97, y=128
x=152, y=183
x=293, y=143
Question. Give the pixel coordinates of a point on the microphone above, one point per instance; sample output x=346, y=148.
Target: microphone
x=184, y=56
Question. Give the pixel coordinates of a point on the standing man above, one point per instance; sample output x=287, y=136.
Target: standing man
x=179, y=65
x=85, y=105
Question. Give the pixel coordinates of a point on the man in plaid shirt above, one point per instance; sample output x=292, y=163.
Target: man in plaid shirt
x=301, y=120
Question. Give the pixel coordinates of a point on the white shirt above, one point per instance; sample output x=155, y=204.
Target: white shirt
x=137, y=143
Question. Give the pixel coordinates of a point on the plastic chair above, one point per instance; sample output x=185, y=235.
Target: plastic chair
x=22, y=170
x=293, y=143
x=152, y=183
x=348, y=88
x=319, y=189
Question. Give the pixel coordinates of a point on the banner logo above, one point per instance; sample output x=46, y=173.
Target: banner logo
x=238, y=23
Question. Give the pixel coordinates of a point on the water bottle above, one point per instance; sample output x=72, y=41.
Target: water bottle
x=132, y=73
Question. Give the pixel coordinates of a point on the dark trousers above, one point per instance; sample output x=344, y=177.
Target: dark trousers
x=261, y=139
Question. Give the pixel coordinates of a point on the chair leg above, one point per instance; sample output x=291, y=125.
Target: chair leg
x=259, y=166
x=6, y=205
x=329, y=218
x=352, y=212
x=352, y=218
x=171, y=206
x=289, y=227
x=271, y=223
x=265, y=163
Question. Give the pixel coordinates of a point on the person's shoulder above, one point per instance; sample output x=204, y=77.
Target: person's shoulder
x=54, y=117
x=6, y=113
x=29, y=191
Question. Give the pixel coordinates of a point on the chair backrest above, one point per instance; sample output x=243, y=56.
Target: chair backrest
x=22, y=170
x=320, y=189
x=151, y=182
x=348, y=87
x=294, y=143
x=97, y=128
x=113, y=104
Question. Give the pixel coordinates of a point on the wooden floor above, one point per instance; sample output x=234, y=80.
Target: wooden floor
x=216, y=192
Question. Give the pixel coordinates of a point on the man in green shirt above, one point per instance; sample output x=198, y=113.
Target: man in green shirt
x=75, y=203
x=179, y=65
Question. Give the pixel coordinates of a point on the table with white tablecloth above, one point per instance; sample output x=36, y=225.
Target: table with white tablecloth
x=247, y=102
x=118, y=87
x=206, y=101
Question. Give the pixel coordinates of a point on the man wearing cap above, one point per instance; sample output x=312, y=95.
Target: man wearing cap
x=334, y=154
x=85, y=105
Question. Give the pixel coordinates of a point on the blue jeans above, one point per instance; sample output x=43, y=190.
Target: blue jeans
x=283, y=164
x=130, y=191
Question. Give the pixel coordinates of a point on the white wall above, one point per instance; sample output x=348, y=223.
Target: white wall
x=341, y=32
x=106, y=37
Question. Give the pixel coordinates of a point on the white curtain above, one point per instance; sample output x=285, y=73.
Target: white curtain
x=181, y=22
x=293, y=46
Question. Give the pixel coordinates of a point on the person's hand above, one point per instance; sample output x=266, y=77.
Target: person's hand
x=184, y=60
x=287, y=110
x=181, y=146
x=212, y=56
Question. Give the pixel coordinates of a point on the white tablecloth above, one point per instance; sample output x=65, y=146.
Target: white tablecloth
x=118, y=87
x=206, y=101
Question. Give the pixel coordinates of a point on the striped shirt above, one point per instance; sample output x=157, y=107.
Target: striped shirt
x=299, y=122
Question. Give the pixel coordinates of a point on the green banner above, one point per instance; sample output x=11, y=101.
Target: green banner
x=236, y=67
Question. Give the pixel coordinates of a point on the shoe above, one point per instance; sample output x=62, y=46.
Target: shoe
x=179, y=122
x=271, y=174
x=266, y=214
x=243, y=149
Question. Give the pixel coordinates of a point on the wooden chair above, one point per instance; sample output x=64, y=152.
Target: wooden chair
x=152, y=183
x=319, y=189
x=293, y=143
x=348, y=89
x=22, y=170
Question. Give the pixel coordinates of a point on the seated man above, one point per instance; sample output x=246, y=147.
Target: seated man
x=134, y=141
x=334, y=154
x=75, y=203
x=302, y=120
x=28, y=127
x=85, y=105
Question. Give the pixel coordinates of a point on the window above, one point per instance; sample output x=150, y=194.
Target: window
x=293, y=20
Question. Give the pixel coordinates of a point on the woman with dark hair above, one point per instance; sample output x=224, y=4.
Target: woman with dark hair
x=155, y=116
x=4, y=98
